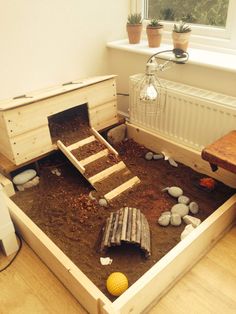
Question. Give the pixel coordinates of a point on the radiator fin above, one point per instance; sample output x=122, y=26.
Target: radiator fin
x=192, y=116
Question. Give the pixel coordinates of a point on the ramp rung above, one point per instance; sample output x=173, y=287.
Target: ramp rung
x=81, y=143
x=106, y=173
x=94, y=157
x=121, y=188
x=71, y=158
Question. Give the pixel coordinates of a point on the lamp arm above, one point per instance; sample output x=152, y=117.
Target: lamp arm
x=181, y=56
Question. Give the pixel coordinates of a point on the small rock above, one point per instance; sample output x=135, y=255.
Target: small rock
x=187, y=230
x=20, y=188
x=24, y=176
x=103, y=202
x=175, y=220
x=175, y=191
x=28, y=184
x=105, y=260
x=56, y=172
x=149, y=156
x=172, y=162
x=91, y=195
x=182, y=199
x=166, y=213
x=164, y=219
x=158, y=156
x=193, y=207
x=192, y=220
x=117, y=134
x=180, y=209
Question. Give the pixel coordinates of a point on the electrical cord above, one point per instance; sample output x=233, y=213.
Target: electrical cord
x=16, y=254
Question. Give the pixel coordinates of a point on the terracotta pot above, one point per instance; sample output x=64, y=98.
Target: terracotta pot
x=154, y=35
x=134, y=33
x=181, y=40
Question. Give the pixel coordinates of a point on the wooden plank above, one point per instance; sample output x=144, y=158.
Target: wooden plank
x=104, y=94
x=67, y=272
x=106, y=173
x=124, y=223
x=94, y=157
x=102, y=140
x=164, y=274
x=113, y=235
x=222, y=152
x=81, y=143
x=27, y=117
x=138, y=227
x=71, y=158
x=104, y=115
x=133, y=228
x=54, y=91
x=7, y=185
x=31, y=144
x=121, y=188
x=180, y=153
x=5, y=145
x=119, y=227
x=129, y=224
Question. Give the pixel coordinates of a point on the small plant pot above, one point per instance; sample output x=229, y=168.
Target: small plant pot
x=134, y=33
x=181, y=40
x=154, y=35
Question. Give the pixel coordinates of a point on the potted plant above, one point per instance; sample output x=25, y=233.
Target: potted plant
x=154, y=33
x=134, y=27
x=180, y=35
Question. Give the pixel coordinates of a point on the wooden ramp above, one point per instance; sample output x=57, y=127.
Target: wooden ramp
x=100, y=164
x=127, y=225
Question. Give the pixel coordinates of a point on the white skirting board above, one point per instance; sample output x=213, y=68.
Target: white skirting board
x=155, y=282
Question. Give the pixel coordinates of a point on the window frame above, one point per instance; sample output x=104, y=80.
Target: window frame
x=202, y=35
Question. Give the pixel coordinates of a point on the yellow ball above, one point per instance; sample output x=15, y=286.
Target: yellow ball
x=117, y=283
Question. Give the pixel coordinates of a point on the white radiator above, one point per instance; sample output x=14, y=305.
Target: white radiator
x=191, y=116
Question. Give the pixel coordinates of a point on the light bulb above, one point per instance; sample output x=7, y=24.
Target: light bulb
x=149, y=90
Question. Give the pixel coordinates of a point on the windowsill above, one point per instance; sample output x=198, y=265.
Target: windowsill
x=207, y=58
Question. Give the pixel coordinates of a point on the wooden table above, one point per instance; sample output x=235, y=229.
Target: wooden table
x=222, y=152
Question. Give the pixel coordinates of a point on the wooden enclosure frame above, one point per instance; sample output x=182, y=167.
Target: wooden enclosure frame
x=154, y=283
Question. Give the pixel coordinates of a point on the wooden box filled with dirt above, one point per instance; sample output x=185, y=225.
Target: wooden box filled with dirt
x=125, y=200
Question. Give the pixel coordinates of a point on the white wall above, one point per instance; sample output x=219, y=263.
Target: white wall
x=48, y=42
x=125, y=63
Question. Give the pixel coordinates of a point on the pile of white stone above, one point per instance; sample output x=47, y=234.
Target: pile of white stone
x=180, y=211
x=26, y=179
x=158, y=156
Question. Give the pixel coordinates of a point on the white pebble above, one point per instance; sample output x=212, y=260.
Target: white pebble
x=91, y=196
x=164, y=219
x=24, y=176
x=180, y=209
x=175, y=191
x=172, y=162
x=103, y=202
x=56, y=172
x=193, y=207
x=28, y=184
x=192, y=220
x=175, y=220
x=105, y=261
x=182, y=199
x=187, y=230
x=149, y=156
x=158, y=156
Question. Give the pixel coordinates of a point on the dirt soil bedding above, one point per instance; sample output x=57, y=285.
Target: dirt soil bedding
x=62, y=208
